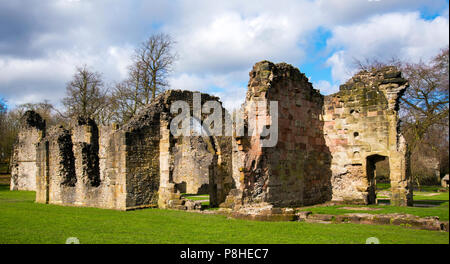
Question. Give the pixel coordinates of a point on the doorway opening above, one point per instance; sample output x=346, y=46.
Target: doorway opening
x=378, y=175
x=193, y=159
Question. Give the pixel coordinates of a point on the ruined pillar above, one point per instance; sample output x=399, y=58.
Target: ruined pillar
x=23, y=162
x=361, y=123
x=295, y=170
x=166, y=185
x=43, y=172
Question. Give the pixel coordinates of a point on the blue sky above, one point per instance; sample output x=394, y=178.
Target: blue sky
x=218, y=42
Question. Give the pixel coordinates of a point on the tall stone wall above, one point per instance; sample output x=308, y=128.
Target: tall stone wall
x=23, y=160
x=326, y=148
x=218, y=165
x=82, y=166
x=296, y=171
x=361, y=128
x=142, y=157
x=192, y=159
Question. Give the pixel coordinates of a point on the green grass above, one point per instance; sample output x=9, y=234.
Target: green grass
x=423, y=188
x=383, y=186
x=23, y=221
x=196, y=197
x=441, y=210
x=423, y=196
x=433, y=188
x=419, y=196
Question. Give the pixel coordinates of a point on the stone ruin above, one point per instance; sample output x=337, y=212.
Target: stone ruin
x=327, y=150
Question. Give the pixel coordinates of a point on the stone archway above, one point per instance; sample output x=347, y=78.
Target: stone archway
x=220, y=181
x=371, y=172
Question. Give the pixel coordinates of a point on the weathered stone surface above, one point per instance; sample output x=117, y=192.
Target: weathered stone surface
x=136, y=166
x=192, y=159
x=326, y=149
x=362, y=128
x=444, y=181
x=303, y=215
x=296, y=171
x=23, y=160
x=81, y=167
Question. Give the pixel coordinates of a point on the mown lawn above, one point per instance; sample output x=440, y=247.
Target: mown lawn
x=441, y=210
x=441, y=200
x=23, y=221
x=425, y=196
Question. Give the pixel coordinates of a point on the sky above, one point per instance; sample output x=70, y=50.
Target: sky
x=217, y=42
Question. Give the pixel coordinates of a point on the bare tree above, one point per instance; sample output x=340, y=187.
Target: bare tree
x=152, y=62
x=126, y=100
x=9, y=125
x=426, y=103
x=424, y=108
x=151, y=65
x=2, y=110
x=45, y=109
x=86, y=94
x=3, y=127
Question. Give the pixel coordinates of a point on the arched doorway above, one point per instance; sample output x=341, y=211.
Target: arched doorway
x=195, y=158
x=377, y=169
x=194, y=164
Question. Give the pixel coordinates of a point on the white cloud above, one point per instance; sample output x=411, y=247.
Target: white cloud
x=346, y=12
x=233, y=39
x=217, y=41
x=38, y=79
x=225, y=86
x=405, y=36
x=325, y=87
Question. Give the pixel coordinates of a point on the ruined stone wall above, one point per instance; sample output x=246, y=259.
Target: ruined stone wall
x=131, y=167
x=361, y=128
x=327, y=148
x=142, y=158
x=192, y=159
x=82, y=166
x=23, y=161
x=296, y=171
x=220, y=182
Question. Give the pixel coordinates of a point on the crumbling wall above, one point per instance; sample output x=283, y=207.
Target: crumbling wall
x=296, y=171
x=82, y=166
x=23, y=160
x=130, y=167
x=220, y=182
x=142, y=157
x=362, y=127
x=325, y=148
x=192, y=159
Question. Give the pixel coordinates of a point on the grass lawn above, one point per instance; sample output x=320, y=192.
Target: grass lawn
x=441, y=210
x=423, y=197
x=426, y=196
x=23, y=221
x=198, y=197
